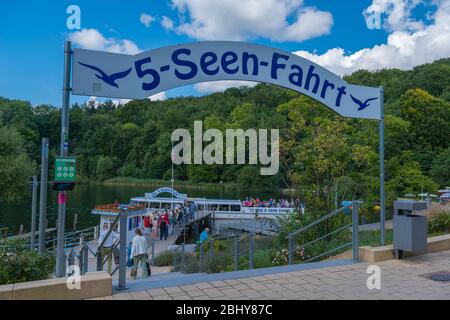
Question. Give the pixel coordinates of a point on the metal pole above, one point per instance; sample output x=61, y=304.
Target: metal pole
x=75, y=221
x=183, y=249
x=153, y=252
x=211, y=250
x=201, y=257
x=290, y=250
x=43, y=196
x=236, y=255
x=81, y=255
x=85, y=258
x=355, y=231
x=123, y=251
x=251, y=251
x=382, y=177
x=64, y=150
x=33, y=215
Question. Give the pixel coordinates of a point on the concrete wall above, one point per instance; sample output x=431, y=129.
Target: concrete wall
x=376, y=254
x=93, y=285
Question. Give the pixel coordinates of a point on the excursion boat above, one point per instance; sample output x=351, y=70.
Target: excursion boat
x=221, y=209
x=108, y=214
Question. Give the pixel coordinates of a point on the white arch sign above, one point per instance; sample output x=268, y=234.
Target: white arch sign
x=104, y=74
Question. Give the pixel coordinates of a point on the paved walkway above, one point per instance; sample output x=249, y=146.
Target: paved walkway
x=400, y=279
x=376, y=226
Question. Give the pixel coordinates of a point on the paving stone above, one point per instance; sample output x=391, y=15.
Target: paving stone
x=231, y=292
x=139, y=294
x=196, y=293
x=165, y=297
x=123, y=296
x=173, y=290
x=156, y=292
x=204, y=285
x=212, y=293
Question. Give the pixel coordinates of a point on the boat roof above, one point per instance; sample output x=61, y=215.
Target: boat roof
x=223, y=201
x=166, y=199
x=114, y=213
x=175, y=200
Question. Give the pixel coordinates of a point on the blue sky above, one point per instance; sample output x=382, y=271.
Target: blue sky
x=335, y=34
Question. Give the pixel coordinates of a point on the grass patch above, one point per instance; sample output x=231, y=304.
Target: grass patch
x=372, y=238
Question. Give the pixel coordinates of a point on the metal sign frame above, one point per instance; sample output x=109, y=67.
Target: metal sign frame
x=361, y=101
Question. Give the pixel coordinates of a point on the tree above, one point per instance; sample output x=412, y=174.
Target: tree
x=404, y=175
x=429, y=119
x=16, y=168
x=105, y=168
x=440, y=169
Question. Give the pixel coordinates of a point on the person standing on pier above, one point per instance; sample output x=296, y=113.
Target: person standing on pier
x=172, y=222
x=192, y=208
x=163, y=226
x=139, y=253
x=204, y=235
x=107, y=248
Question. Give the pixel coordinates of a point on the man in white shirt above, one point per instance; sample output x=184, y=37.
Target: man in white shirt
x=108, y=245
x=139, y=254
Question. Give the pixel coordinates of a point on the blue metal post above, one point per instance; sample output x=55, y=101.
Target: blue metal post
x=355, y=231
x=123, y=251
x=382, y=173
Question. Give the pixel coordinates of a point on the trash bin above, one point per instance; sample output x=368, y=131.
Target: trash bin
x=410, y=229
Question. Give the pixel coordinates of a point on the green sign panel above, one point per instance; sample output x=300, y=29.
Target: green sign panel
x=65, y=170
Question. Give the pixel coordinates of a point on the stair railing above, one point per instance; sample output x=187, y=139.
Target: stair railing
x=354, y=243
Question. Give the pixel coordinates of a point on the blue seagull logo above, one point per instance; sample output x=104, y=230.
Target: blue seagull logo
x=362, y=105
x=109, y=79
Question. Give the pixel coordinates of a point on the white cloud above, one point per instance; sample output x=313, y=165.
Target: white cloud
x=92, y=39
x=167, y=23
x=159, y=97
x=246, y=19
x=219, y=86
x=120, y=102
x=404, y=49
x=397, y=13
x=146, y=19
x=93, y=102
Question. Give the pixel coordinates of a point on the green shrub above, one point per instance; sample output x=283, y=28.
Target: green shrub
x=189, y=264
x=164, y=259
x=439, y=223
x=17, y=264
x=222, y=262
x=263, y=258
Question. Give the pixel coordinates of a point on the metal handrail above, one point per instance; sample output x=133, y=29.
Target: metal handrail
x=111, y=229
x=330, y=251
x=355, y=237
x=327, y=235
x=315, y=223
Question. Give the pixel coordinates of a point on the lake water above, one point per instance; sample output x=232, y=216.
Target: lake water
x=86, y=196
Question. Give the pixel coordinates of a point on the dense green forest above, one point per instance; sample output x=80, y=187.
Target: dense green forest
x=319, y=153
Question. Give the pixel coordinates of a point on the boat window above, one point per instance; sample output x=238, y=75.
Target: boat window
x=201, y=207
x=154, y=205
x=224, y=207
x=235, y=207
x=213, y=207
x=166, y=205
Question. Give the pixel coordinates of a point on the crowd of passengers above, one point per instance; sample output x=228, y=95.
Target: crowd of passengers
x=272, y=203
